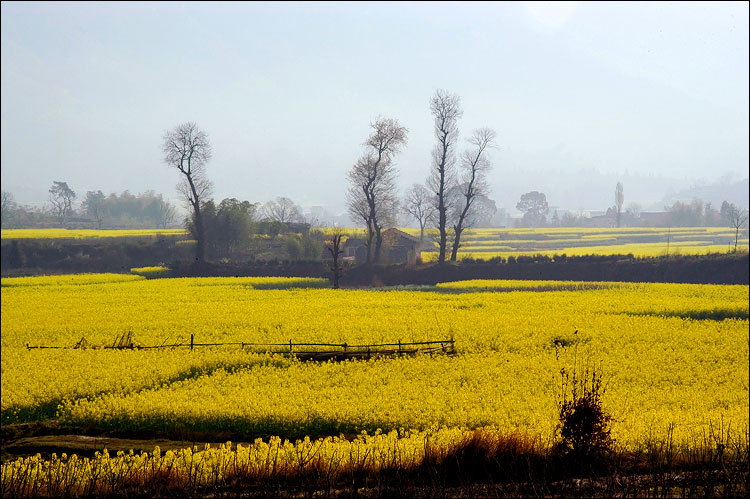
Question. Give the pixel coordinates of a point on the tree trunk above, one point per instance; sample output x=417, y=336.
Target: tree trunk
x=736, y=237
x=456, y=242
x=370, y=235
x=335, y=250
x=200, y=246
x=378, y=242
x=442, y=209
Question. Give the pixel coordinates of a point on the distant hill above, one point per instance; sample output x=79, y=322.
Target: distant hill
x=737, y=193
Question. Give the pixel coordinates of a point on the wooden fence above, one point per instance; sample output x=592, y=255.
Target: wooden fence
x=303, y=351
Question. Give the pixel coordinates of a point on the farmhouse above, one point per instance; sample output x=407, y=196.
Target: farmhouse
x=398, y=247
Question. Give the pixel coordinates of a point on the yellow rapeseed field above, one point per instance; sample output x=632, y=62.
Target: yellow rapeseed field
x=672, y=354
x=674, y=359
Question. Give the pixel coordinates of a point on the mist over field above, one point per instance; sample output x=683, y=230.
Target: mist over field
x=581, y=96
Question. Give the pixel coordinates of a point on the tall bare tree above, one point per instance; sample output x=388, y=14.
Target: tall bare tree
x=166, y=214
x=475, y=164
x=333, y=245
x=418, y=203
x=737, y=218
x=372, y=195
x=446, y=108
x=282, y=210
x=61, y=196
x=619, y=199
x=8, y=206
x=186, y=148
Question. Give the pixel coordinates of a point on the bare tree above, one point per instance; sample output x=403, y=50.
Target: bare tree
x=446, y=108
x=166, y=214
x=187, y=148
x=61, y=197
x=8, y=206
x=738, y=218
x=282, y=210
x=475, y=164
x=418, y=203
x=333, y=245
x=619, y=199
x=372, y=196
x=634, y=210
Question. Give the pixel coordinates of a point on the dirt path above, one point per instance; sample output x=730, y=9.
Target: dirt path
x=28, y=439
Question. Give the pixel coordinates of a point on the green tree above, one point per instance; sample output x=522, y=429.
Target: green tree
x=535, y=208
x=228, y=228
x=61, y=197
x=95, y=206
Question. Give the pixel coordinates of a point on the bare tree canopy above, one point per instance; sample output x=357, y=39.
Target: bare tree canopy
x=737, y=218
x=371, y=198
x=475, y=164
x=8, y=205
x=446, y=109
x=634, y=210
x=61, y=197
x=619, y=199
x=187, y=149
x=283, y=210
x=166, y=215
x=418, y=203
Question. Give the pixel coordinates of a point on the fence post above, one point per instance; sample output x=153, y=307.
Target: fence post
x=290, y=347
x=399, y=346
x=191, y=342
x=345, y=345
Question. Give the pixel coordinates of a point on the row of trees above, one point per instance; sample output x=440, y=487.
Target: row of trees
x=123, y=210
x=454, y=196
x=228, y=227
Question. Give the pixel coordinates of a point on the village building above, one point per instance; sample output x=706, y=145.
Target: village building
x=398, y=248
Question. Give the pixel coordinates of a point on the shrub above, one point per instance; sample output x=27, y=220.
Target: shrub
x=152, y=272
x=584, y=425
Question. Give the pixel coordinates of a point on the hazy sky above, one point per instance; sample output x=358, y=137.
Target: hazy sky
x=286, y=92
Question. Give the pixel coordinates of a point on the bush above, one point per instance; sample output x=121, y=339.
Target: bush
x=152, y=272
x=584, y=426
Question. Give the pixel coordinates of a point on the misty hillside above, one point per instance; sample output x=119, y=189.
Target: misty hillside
x=737, y=193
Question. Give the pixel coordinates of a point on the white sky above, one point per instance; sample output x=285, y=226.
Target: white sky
x=286, y=93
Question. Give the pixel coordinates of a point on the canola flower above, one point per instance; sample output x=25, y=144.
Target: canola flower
x=674, y=358
x=669, y=364
x=501, y=389
x=67, y=280
x=267, y=464
x=198, y=467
